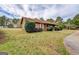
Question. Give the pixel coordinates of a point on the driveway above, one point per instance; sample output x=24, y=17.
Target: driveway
x=71, y=43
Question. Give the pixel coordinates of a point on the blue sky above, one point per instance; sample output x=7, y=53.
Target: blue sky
x=39, y=10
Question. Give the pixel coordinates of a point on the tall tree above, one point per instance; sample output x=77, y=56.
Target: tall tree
x=2, y=20
x=76, y=17
x=15, y=21
x=41, y=18
x=7, y=21
x=76, y=20
x=69, y=21
x=50, y=20
x=59, y=19
x=59, y=22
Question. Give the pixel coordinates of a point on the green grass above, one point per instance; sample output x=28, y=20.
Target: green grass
x=20, y=42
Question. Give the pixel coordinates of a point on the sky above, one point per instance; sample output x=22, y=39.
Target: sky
x=39, y=10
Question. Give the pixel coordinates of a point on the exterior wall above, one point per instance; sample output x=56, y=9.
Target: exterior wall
x=43, y=26
x=37, y=25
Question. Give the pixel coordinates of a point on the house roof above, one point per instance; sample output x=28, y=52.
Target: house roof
x=38, y=20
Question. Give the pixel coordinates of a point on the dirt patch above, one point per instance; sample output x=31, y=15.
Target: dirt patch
x=2, y=37
x=3, y=53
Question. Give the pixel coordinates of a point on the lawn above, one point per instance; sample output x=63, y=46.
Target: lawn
x=17, y=41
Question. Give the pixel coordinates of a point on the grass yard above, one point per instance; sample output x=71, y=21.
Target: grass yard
x=18, y=41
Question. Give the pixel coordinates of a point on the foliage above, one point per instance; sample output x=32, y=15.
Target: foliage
x=50, y=28
x=50, y=20
x=15, y=21
x=41, y=19
x=72, y=24
x=59, y=27
x=10, y=26
x=29, y=27
x=76, y=20
x=2, y=20
x=59, y=19
x=59, y=24
x=7, y=21
x=38, y=29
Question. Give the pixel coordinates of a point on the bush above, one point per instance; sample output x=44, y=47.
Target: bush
x=38, y=30
x=71, y=26
x=10, y=26
x=57, y=28
x=30, y=27
x=50, y=28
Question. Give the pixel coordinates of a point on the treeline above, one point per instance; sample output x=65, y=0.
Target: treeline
x=60, y=23
x=8, y=22
x=68, y=24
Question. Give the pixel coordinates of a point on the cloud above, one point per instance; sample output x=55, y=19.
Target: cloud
x=8, y=11
x=40, y=10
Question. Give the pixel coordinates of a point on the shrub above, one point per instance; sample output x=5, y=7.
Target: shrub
x=57, y=28
x=30, y=27
x=50, y=28
x=71, y=26
x=10, y=26
x=38, y=30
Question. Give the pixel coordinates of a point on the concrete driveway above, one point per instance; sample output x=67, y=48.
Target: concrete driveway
x=71, y=43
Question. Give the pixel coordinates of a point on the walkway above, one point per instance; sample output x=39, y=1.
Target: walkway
x=72, y=43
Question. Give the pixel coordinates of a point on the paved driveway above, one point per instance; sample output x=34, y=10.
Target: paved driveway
x=71, y=43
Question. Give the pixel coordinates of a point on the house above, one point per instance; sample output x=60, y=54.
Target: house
x=38, y=23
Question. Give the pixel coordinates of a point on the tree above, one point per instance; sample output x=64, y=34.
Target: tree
x=15, y=21
x=68, y=20
x=7, y=21
x=2, y=20
x=50, y=28
x=71, y=24
x=50, y=20
x=41, y=19
x=68, y=23
x=76, y=20
x=10, y=26
x=76, y=17
x=59, y=19
x=60, y=23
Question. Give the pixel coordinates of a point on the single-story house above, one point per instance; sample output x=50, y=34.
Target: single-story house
x=38, y=23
